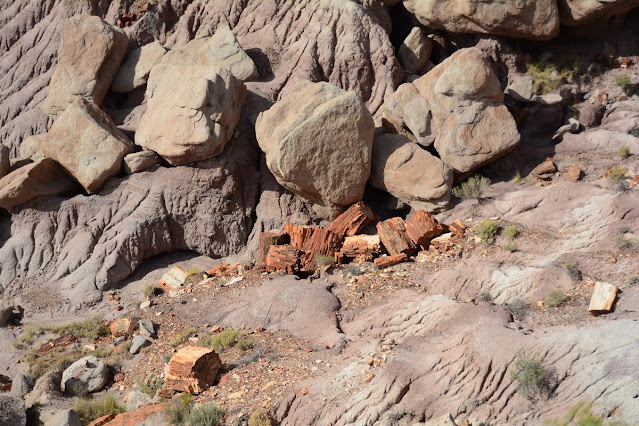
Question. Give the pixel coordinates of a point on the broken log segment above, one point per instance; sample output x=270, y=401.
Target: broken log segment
x=422, y=227
x=321, y=243
x=285, y=258
x=192, y=369
x=457, y=228
x=276, y=237
x=361, y=244
x=385, y=262
x=174, y=278
x=443, y=242
x=603, y=298
x=352, y=221
x=299, y=234
x=392, y=233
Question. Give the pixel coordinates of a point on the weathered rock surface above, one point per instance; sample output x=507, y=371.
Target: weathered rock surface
x=578, y=12
x=65, y=418
x=44, y=177
x=414, y=52
x=31, y=147
x=4, y=161
x=221, y=50
x=192, y=112
x=46, y=388
x=89, y=57
x=138, y=343
x=136, y=399
x=86, y=142
x=12, y=410
x=473, y=126
x=134, y=72
x=590, y=115
x=318, y=144
x=140, y=161
x=406, y=112
x=410, y=173
x=537, y=20
x=86, y=375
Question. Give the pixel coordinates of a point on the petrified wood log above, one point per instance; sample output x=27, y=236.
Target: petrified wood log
x=392, y=233
x=192, y=369
x=285, y=258
x=422, y=227
x=299, y=234
x=385, y=262
x=352, y=221
x=361, y=244
x=268, y=239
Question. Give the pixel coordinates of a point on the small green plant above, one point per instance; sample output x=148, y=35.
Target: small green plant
x=56, y=359
x=183, y=411
x=486, y=230
x=149, y=385
x=624, y=151
x=102, y=352
x=151, y=291
x=511, y=231
x=534, y=379
x=245, y=345
x=91, y=329
x=581, y=414
x=485, y=297
x=472, y=188
x=91, y=409
x=224, y=340
x=556, y=297
x=548, y=76
x=511, y=245
x=180, y=338
x=517, y=177
x=193, y=270
x=259, y=418
x=617, y=174
x=621, y=242
x=323, y=260
x=573, y=272
x=518, y=308
x=623, y=81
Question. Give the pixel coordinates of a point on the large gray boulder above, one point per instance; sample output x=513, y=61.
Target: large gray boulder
x=192, y=112
x=318, y=143
x=86, y=142
x=12, y=412
x=135, y=70
x=89, y=57
x=410, y=173
x=535, y=20
x=86, y=375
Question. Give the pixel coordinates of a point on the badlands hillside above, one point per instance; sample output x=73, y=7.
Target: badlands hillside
x=319, y=212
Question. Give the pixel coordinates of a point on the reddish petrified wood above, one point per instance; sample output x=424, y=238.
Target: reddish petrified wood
x=392, y=233
x=457, y=228
x=192, y=369
x=352, y=221
x=62, y=341
x=322, y=242
x=267, y=239
x=422, y=227
x=285, y=258
x=226, y=269
x=385, y=262
x=299, y=234
x=361, y=244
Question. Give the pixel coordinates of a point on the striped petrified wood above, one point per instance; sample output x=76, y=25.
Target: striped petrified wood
x=267, y=239
x=393, y=234
x=192, y=369
x=361, y=244
x=422, y=227
x=352, y=221
x=322, y=242
x=299, y=234
x=285, y=258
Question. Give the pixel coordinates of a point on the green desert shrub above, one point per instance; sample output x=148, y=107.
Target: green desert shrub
x=581, y=414
x=617, y=174
x=573, y=272
x=485, y=297
x=472, y=188
x=624, y=151
x=183, y=411
x=623, y=81
x=549, y=75
x=180, y=338
x=224, y=340
x=556, y=297
x=511, y=245
x=323, y=260
x=621, y=242
x=518, y=308
x=511, y=231
x=486, y=230
x=151, y=291
x=533, y=378
x=91, y=409
x=149, y=385
x=259, y=418
x=245, y=344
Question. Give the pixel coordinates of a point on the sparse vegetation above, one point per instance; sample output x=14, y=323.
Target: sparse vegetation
x=624, y=151
x=517, y=177
x=151, y=291
x=581, y=414
x=180, y=338
x=617, y=174
x=511, y=231
x=533, y=377
x=518, y=308
x=486, y=230
x=324, y=260
x=224, y=340
x=624, y=229
x=91, y=409
x=259, y=418
x=511, y=246
x=245, y=345
x=485, y=297
x=623, y=81
x=183, y=411
x=621, y=242
x=192, y=271
x=149, y=385
x=57, y=358
x=548, y=76
x=573, y=272
x=472, y=188
x=102, y=352
x=556, y=297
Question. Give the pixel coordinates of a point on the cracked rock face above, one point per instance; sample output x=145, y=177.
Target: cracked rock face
x=577, y=12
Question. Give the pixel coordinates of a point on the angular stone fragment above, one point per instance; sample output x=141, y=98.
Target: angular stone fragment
x=353, y=220
x=361, y=244
x=317, y=142
x=410, y=173
x=268, y=239
x=44, y=177
x=392, y=233
x=122, y=327
x=86, y=142
x=192, y=369
x=407, y=113
x=139, y=161
x=544, y=170
x=573, y=174
x=603, y=298
x=386, y=261
x=134, y=72
x=138, y=343
x=174, y=278
x=421, y=227
x=86, y=375
x=578, y=12
x=30, y=147
x=285, y=258
x=457, y=228
x=89, y=57
x=414, y=52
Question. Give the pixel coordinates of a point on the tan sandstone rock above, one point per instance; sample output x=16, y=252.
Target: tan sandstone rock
x=318, y=143
x=31, y=147
x=134, y=72
x=89, y=57
x=87, y=144
x=473, y=127
x=535, y=20
x=44, y=177
x=192, y=112
x=406, y=112
x=139, y=161
x=410, y=173
x=577, y=12
x=414, y=52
